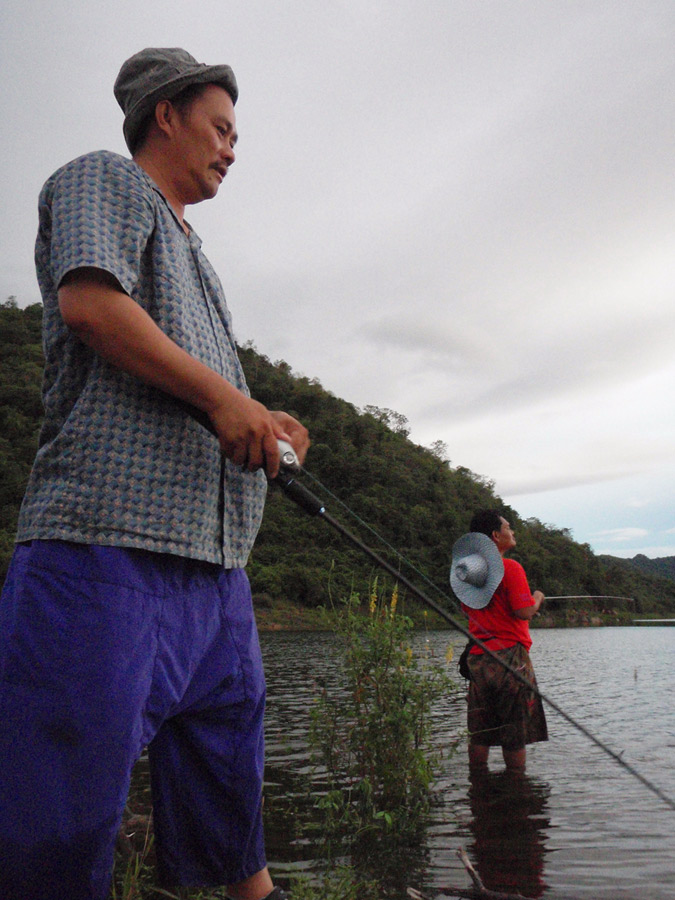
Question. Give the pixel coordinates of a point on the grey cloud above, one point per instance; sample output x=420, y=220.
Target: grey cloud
x=460, y=211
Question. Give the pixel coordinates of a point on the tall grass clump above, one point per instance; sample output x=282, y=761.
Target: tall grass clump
x=372, y=735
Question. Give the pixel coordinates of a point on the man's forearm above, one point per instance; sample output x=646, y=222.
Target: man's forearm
x=120, y=331
x=123, y=334
x=529, y=612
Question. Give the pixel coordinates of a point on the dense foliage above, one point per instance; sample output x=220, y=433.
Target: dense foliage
x=373, y=735
x=370, y=734
x=410, y=495
x=21, y=363
x=663, y=567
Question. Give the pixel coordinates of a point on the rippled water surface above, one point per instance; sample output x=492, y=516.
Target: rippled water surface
x=577, y=825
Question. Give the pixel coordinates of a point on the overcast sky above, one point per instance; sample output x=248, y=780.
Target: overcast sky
x=463, y=211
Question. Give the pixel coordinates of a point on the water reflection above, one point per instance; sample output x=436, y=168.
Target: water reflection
x=508, y=827
x=575, y=825
x=499, y=818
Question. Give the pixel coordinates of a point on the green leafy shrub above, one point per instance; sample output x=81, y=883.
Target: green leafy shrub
x=373, y=736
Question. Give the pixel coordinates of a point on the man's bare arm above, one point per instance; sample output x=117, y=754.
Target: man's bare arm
x=106, y=319
x=529, y=612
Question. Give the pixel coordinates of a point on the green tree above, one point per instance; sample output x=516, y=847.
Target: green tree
x=410, y=495
x=372, y=733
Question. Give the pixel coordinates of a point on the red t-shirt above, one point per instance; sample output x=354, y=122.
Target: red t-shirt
x=495, y=624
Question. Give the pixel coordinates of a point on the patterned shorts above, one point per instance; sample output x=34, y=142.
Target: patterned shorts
x=502, y=711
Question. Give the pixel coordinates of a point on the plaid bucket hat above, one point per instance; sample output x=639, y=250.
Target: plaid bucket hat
x=159, y=73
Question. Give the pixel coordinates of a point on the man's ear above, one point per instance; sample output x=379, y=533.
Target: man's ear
x=165, y=114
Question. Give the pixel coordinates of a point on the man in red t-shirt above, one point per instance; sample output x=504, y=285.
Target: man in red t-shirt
x=501, y=710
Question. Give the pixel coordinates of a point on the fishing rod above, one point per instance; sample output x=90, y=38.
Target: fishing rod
x=313, y=506
x=590, y=597
x=287, y=480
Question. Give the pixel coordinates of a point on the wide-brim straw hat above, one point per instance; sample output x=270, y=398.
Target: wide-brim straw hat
x=477, y=569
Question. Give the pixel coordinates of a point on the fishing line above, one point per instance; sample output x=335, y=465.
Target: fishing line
x=311, y=504
x=304, y=498
x=421, y=574
x=382, y=540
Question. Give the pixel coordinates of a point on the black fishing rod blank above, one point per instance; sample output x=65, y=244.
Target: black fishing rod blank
x=303, y=497
x=286, y=479
x=311, y=504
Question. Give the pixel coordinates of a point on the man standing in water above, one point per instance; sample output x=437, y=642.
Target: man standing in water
x=501, y=710
x=126, y=619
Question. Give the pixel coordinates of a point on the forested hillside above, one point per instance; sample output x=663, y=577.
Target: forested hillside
x=20, y=411
x=410, y=495
x=663, y=567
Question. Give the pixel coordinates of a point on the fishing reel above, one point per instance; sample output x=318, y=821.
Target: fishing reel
x=288, y=458
x=289, y=468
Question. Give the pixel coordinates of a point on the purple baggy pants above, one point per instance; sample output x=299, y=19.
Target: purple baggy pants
x=105, y=651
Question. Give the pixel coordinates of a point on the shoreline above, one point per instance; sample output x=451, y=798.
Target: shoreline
x=284, y=615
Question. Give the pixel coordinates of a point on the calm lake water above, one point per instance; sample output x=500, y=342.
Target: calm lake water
x=577, y=825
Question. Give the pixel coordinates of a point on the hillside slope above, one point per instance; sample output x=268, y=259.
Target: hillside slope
x=663, y=566
x=410, y=495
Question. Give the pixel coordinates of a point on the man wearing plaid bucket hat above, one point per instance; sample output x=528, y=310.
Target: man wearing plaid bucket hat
x=126, y=619
x=496, y=597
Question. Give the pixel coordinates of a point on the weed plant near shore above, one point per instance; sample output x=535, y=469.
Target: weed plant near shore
x=134, y=873
x=373, y=737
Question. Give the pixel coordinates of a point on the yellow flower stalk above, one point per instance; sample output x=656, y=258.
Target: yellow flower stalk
x=394, y=600
x=373, y=600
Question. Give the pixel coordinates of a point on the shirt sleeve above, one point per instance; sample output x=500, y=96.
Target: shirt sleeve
x=517, y=588
x=102, y=215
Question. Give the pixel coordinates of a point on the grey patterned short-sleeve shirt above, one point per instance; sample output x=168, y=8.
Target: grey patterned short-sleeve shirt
x=120, y=463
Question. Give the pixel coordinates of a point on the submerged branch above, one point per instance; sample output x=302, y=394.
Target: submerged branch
x=478, y=892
